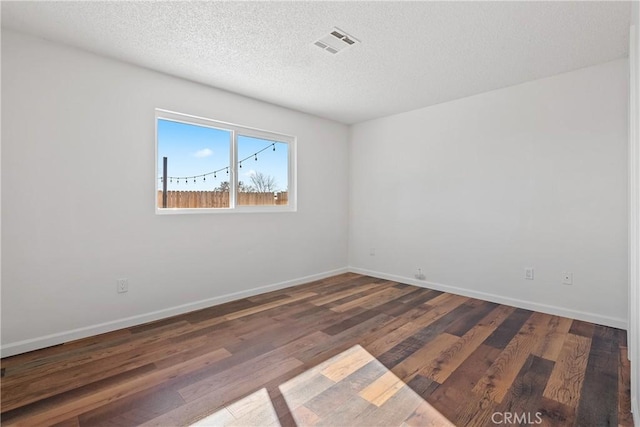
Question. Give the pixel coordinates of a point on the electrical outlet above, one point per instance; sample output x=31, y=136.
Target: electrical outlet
x=123, y=285
x=420, y=275
x=528, y=273
x=567, y=278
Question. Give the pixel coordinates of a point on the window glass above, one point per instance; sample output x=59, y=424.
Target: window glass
x=197, y=165
x=263, y=172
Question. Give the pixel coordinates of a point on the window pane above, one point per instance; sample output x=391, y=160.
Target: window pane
x=197, y=165
x=263, y=172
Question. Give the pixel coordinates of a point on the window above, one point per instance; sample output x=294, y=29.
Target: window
x=208, y=166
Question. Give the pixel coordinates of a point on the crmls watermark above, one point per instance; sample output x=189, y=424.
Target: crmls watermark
x=522, y=418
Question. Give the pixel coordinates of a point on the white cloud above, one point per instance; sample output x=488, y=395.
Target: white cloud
x=205, y=152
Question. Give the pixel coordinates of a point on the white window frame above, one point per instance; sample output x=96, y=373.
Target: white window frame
x=236, y=130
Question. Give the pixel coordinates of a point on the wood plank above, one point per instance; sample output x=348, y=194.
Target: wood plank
x=338, y=343
x=422, y=359
x=391, y=328
x=584, y=329
x=76, y=406
x=210, y=344
x=495, y=383
x=421, y=337
x=599, y=397
x=624, y=389
x=386, y=296
x=556, y=414
x=61, y=351
x=426, y=415
x=451, y=358
x=357, y=318
x=94, y=351
x=284, y=332
x=418, y=296
x=221, y=417
x=380, y=286
x=551, y=343
x=327, y=402
x=341, y=402
x=394, y=411
x=462, y=325
x=364, y=376
x=264, y=307
x=370, y=299
x=329, y=286
x=248, y=371
x=79, y=375
x=565, y=382
x=525, y=394
x=71, y=422
x=255, y=409
x=221, y=393
x=502, y=336
x=305, y=416
x=299, y=391
x=249, y=403
x=408, y=303
x=139, y=407
x=325, y=299
x=349, y=362
x=285, y=419
x=422, y=385
x=379, y=391
x=345, y=413
x=389, y=340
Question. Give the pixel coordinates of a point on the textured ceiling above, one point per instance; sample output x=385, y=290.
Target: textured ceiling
x=413, y=54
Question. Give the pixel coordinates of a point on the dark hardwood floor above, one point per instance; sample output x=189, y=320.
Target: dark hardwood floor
x=344, y=351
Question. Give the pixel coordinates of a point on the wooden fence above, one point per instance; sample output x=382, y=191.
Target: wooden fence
x=220, y=199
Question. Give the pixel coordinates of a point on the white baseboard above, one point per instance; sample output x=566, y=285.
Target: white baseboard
x=528, y=305
x=87, y=331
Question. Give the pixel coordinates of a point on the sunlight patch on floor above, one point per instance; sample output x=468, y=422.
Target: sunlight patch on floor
x=354, y=389
x=255, y=409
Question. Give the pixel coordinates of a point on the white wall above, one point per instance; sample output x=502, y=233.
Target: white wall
x=78, y=199
x=475, y=190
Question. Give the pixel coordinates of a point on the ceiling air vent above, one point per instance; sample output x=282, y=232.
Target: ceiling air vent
x=336, y=41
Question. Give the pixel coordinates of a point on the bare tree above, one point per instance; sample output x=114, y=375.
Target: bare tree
x=225, y=187
x=262, y=183
x=244, y=188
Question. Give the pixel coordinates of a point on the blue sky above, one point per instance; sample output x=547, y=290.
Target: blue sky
x=195, y=150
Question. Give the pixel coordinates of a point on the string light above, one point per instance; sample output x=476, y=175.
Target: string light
x=215, y=172
x=255, y=155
